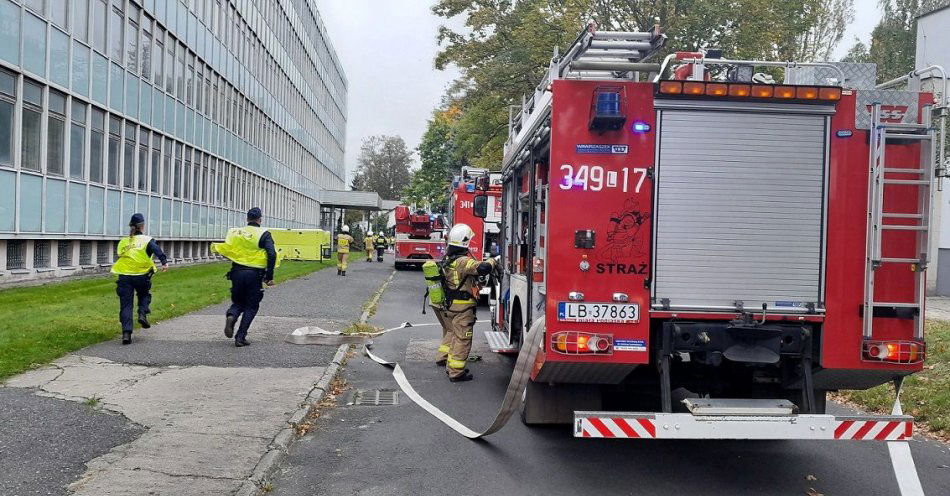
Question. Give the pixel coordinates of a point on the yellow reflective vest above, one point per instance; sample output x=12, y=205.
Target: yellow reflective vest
x=133, y=260
x=242, y=246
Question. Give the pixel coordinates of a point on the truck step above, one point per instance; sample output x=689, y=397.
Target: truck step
x=740, y=407
x=498, y=342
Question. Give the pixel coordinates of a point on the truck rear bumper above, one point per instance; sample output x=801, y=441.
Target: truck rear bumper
x=688, y=426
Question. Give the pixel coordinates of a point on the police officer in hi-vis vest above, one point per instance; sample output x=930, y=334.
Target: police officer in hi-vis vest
x=135, y=268
x=343, y=242
x=251, y=249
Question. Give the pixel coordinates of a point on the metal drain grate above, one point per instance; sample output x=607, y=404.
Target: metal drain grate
x=374, y=397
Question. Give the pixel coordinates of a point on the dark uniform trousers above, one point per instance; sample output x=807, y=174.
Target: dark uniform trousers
x=246, y=295
x=127, y=287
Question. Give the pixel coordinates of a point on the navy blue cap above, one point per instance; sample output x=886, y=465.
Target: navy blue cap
x=137, y=219
x=254, y=213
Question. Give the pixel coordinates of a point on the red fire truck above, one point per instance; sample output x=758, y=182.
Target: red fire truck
x=711, y=251
x=418, y=237
x=465, y=186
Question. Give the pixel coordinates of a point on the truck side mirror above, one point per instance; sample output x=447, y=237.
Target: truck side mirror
x=480, y=206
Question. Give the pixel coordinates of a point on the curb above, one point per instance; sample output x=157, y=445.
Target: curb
x=364, y=317
x=277, y=450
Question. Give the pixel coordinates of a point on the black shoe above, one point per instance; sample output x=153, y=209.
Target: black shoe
x=144, y=321
x=229, y=321
x=242, y=343
x=126, y=337
x=338, y=271
x=466, y=376
x=440, y=363
x=343, y=273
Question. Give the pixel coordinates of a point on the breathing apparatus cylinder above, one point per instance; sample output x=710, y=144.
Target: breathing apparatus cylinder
x=433, y=275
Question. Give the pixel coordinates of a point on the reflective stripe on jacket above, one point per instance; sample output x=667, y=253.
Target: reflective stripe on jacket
x=242, y=246
x=134, y=259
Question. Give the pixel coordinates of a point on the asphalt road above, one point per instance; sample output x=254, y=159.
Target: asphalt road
x=383, y=450
x=45, y=442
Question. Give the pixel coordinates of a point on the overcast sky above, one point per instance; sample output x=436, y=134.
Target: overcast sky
x=387, y=48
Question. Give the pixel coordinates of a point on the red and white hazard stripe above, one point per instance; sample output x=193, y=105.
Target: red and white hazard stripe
x=629, y=425
x=876, y=430
x=617, y=427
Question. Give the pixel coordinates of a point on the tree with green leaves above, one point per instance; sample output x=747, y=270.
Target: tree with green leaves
x=384, y=166
x=440, y=160
x=507, y=45
x=894, y=39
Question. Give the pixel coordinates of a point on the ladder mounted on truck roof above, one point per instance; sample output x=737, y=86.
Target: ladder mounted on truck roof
x=593, y=55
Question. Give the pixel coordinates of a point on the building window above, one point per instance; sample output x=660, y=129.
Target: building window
x=41, y=254
x=102, y=252
x=77, y=141
x=55, y=133
x=59, y=12
x=156, y=164
x=97, y=145
x=7, y=99
x=116, y=28
x=143, y=160
x=64, y=254
x=80, y=19
x=85, y=253
x=37, y=5
x=16, y=254
x=132, y=39
x=128, y=158
x=166, y=165
x=32, y=112
x=145, y=45
x=100, y=13
x=115, y=144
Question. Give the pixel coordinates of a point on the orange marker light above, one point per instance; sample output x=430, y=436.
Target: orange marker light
x=784, y=92
x=763, y=91
x=693, y=88
x=806, y=93
x=671, y=87
x=717, y=89
x=740, y=90
x=831, y=94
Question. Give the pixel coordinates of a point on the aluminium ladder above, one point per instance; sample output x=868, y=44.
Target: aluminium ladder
x=881, y=174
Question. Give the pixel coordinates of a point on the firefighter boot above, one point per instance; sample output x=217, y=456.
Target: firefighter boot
x=143, y=320
x=463, y=377
x=126, y=337
x=343, y=273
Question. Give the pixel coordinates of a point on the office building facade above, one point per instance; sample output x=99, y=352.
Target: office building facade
x=188, y=111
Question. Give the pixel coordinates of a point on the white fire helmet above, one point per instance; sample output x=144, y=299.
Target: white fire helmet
x=345, y=229
x=369, y=233
x=461, y=235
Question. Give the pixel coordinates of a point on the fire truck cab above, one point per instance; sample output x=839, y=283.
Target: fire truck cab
x=472, y=182
x=711, y=250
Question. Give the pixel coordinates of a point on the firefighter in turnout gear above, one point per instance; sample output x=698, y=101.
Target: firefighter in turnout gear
x=368, y=243
x=251, y=249
x=343, y=242
x=380, y=247
x=135, y=268
x=460, y=271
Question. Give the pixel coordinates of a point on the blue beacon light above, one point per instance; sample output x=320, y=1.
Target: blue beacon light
x=640, y=127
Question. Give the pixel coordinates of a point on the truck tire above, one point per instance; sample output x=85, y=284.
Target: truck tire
x=549, y=404
x=398, y=266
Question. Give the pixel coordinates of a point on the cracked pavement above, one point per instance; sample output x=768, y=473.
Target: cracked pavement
x=180, y=411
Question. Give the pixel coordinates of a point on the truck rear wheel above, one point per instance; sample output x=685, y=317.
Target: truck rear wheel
x=555, y=404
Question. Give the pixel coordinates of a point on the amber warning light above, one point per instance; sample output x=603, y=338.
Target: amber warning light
x=750, y=91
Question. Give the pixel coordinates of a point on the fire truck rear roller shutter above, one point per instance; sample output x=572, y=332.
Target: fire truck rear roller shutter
x=739, y=208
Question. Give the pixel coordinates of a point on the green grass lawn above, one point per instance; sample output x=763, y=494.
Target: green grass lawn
x=41, y=323
x=926, y=395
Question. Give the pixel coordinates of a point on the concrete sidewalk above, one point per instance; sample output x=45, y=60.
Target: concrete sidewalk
x=181, y=411
x=938, y=307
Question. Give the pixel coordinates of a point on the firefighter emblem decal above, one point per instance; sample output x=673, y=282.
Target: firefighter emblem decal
x=625, y=241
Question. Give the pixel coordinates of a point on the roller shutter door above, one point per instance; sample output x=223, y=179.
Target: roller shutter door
x=739, y=209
